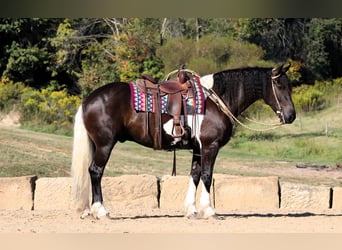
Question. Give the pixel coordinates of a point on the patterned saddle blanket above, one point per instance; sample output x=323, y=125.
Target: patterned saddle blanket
x=147, y=103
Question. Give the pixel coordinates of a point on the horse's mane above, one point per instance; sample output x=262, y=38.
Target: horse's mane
x=230, y=81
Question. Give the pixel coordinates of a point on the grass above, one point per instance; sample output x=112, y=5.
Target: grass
x=311, y=139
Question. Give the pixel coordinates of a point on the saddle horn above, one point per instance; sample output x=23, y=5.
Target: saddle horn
x=182, y=75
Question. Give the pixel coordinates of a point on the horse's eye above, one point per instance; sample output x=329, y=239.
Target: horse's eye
x=279, y=84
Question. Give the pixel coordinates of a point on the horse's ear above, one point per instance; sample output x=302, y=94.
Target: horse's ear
x=276, y=71
x=286, y=68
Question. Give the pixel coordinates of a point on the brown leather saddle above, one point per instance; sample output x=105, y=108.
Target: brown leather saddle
x=178, y=91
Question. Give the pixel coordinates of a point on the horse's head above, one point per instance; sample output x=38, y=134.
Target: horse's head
x=279, y=96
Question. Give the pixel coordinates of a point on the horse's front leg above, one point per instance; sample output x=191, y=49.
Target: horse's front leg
x=195, y=174
x=208, y=160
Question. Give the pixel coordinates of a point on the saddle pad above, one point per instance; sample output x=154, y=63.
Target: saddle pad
x=199, y=96
x=140, y=104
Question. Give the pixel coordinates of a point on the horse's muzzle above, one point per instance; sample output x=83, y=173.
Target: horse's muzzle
x=287, y=118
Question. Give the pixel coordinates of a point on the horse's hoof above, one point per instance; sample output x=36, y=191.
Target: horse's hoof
x=193, y=216
x=190, y=212
x=215, y=217
x=98, y=211
x=207, y=213
x=85, y=213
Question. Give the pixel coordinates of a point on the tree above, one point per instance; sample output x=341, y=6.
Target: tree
x=281, y=38
x=24, y=49
x=323, y=50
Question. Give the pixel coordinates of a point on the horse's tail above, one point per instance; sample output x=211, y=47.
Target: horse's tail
x=82, y=155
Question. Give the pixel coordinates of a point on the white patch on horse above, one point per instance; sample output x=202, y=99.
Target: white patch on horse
x=207, y=81
x=205, y=197
x=98, y=210
x=206, y=210
x=194, y=122
x=190, y=200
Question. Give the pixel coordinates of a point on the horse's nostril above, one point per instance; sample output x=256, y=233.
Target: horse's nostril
x=291, y=118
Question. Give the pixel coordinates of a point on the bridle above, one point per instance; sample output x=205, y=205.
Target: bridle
x=280, y=109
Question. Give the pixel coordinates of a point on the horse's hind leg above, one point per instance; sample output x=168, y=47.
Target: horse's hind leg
x=96, y=169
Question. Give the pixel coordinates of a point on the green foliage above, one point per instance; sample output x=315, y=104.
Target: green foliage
x=24, y=62
x=10, y=94
x=99, y=66
x=24, y=51
x=243, y=54
x=64, y=42
x=321, y=95
x=176, y=52
x=307, y=98
x=50, y=110
x=215, y=49
x=295, y=72
x=315, y=42
x=153, y=66
x=80, y=55
x=280, y=38
x=323, y=52
x=210, y=54
x=66, y=47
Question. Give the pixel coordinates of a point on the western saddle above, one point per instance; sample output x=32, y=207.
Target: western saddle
x=179, y=90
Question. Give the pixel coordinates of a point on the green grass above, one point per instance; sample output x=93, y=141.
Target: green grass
x=312, y=139
x=25, y=152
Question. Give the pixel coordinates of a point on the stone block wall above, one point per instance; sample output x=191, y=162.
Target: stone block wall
x=146, y=191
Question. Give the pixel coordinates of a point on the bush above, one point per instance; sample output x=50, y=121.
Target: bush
x=49, y=110
x=10, y=94
x=318, y=96
x=176, y=52
x=210, y=54
x=307, y=98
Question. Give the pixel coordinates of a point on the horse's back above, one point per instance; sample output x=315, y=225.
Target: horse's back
x=116, y=91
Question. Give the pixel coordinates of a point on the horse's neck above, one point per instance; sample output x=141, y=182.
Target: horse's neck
x=245, y=94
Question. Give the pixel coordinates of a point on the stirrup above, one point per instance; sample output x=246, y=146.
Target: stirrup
x=174, y=132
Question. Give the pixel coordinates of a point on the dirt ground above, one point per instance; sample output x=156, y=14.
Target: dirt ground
x=158, y=221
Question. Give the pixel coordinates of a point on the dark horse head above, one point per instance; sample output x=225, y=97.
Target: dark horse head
x=280, y=97
x=241, y=87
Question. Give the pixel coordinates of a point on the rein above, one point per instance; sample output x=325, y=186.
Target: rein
x=223, y=107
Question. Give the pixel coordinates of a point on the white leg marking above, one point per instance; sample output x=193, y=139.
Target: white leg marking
x=205, y=207
x=190, y=200
x=98, y=210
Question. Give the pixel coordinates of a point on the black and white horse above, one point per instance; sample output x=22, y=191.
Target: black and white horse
x=106, y=117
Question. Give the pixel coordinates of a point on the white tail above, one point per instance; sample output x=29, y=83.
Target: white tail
x=82, y=155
